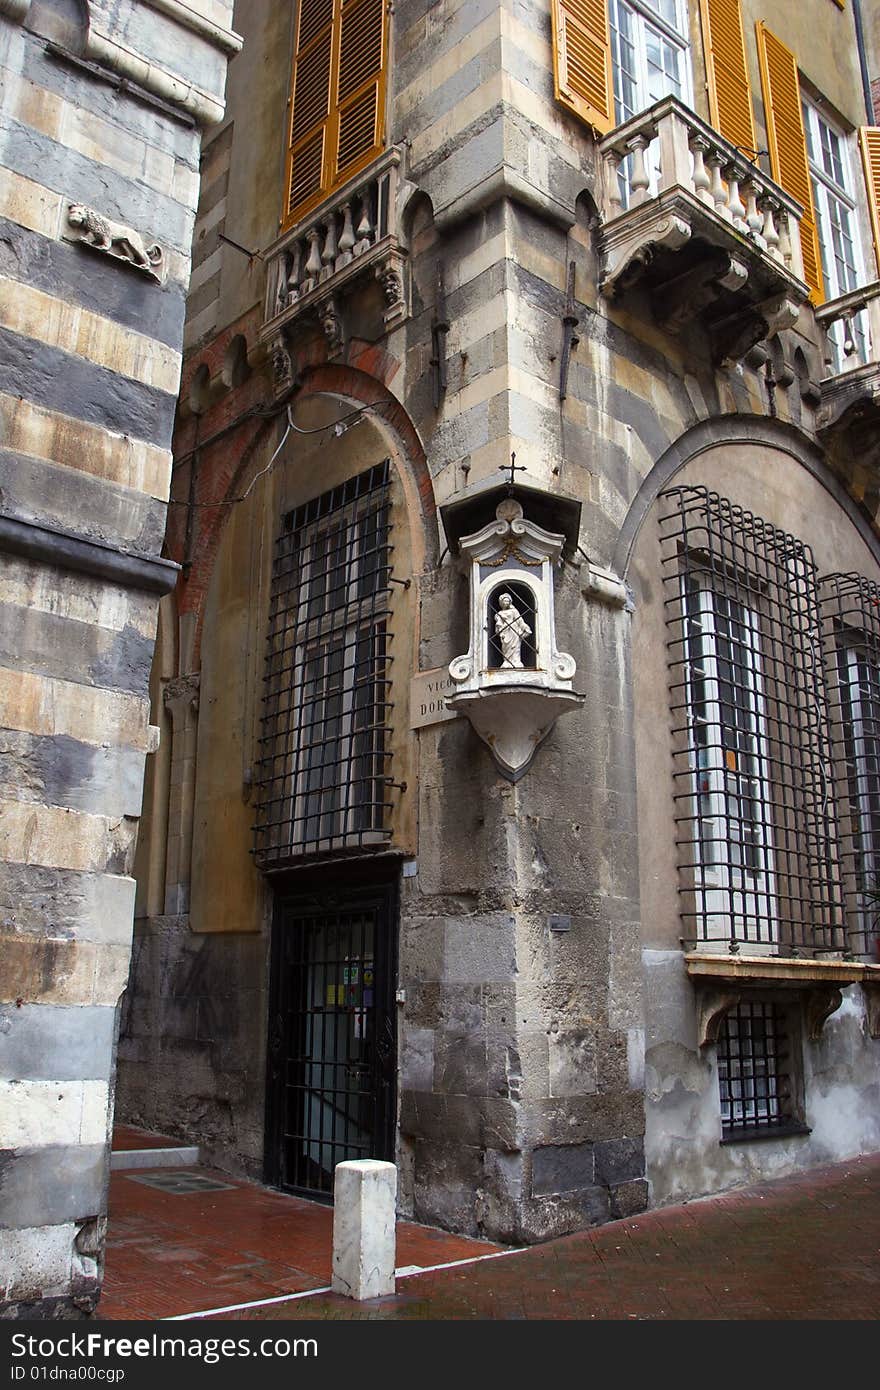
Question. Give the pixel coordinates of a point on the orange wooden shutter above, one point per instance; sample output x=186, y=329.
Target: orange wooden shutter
x=788, y=145
x=360, y=96
x=582, y=61
x=309, y=106
x=730, y=98
x=337, y=98
x=869, y=139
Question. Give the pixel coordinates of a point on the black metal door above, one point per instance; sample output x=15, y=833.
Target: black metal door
x=332, y=1043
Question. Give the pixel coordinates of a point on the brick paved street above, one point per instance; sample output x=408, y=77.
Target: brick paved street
x=800, y=1248
x=806, y=1247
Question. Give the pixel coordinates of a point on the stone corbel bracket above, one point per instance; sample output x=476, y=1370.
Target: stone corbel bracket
x=91, y=228
x=871, y=990
x=628, y=254
x=734, y=336
x=719, y=978
x=819, y=1004
x=391, y=273
x=603, y=586
x=714, y=1005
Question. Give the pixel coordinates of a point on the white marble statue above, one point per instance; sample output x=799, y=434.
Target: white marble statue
x=510, y=628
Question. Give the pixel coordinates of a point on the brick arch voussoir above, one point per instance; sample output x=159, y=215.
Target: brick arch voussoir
x=358, y=386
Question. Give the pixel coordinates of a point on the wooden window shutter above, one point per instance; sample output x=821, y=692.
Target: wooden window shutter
x=869, y=139
x=730, y=98
x=788, y=145
x=337, y=98
x=582, y=61
x=360, y=99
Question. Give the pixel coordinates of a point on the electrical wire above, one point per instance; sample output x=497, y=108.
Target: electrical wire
x=340, y=426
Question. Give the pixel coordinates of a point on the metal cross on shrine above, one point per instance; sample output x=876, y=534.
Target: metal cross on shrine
x=514, y=467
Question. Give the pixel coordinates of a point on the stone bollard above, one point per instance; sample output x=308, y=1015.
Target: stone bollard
x=364, y=1232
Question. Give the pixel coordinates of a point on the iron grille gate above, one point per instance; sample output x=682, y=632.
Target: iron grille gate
x=332, y=1045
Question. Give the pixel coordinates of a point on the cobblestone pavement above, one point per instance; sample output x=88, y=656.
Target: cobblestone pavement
x=805, y=1247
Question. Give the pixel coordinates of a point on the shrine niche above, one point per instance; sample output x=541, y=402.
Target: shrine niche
x=513, y=682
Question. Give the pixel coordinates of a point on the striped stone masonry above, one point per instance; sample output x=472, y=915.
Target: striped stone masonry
x=107, y=115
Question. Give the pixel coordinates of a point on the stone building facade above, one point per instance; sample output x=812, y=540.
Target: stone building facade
x=578, y=305
x=101, y=114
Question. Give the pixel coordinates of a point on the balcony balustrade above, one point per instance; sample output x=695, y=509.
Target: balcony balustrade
x=849, y=408
x=351, y=236
x=689, y=218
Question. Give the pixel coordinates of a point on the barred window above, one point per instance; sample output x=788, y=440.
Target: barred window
x=754, y=816
x=757, y=1076
x=851, y=622
x=324, y=768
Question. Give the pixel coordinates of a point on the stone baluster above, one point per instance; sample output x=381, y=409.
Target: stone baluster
x=768, y=231
x=313, y=264
x=700, y=176
x=328, y=251
x=639, y=182
x=346, y=239
x=613, y=199
x=294, y=271
x=364, y=227
x=754, y=220
x=785, y=238
x=719, y=192
x=278, y=287
x=735, y=204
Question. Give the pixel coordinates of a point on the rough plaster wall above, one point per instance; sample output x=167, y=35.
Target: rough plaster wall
x=193, y=1038
x=683, y=1128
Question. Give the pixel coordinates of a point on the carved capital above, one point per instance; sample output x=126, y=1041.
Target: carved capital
x=182, y=692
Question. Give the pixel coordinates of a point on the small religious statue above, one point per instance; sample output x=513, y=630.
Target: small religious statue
x=510, y=629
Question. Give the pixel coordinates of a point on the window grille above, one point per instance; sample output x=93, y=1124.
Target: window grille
x=755, y=1072
x=851, y=625
x=753, y=811
x=324, y=766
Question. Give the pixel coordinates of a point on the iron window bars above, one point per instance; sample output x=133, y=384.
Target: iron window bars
x=756, y=1072
x=324, y=765
x=851, y=629
x=755, y=835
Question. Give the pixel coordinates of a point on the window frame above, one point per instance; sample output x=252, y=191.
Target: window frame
x=779, y=1076
x=828, y=196
x=646, y=17
x=721, y=878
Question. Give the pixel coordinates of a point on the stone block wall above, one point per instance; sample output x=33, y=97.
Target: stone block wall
x=96, y=115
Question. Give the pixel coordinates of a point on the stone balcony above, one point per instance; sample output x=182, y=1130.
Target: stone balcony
x=848, y=418
x=350, y=241
x=691, y=222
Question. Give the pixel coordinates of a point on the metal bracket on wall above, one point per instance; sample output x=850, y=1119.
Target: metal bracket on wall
x=439, y=329
x=570, y=339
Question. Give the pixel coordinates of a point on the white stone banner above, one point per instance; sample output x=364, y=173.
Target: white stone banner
x=427, y=697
